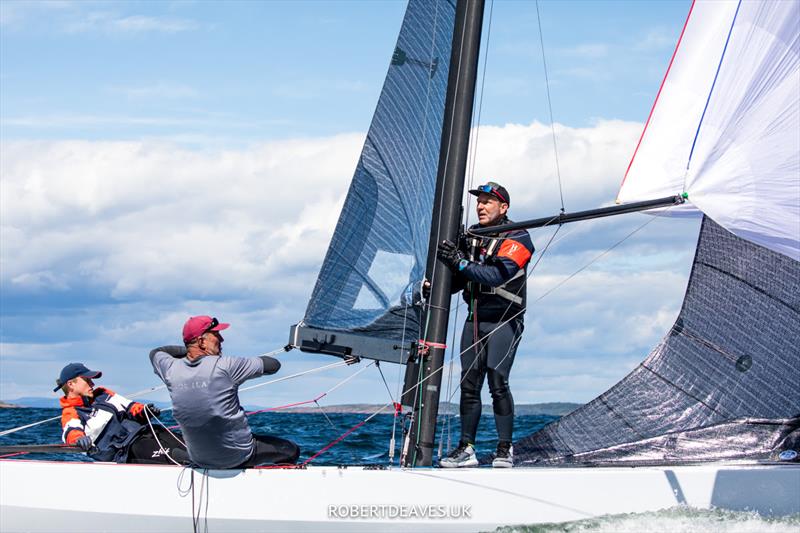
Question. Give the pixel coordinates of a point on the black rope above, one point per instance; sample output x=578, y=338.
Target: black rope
x=550, y=106
x=378, y=366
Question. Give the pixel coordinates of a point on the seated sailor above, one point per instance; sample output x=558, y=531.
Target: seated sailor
x=110, y=427
x=204, y=387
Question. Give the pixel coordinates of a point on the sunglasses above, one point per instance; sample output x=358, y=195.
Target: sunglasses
x=488, y=189
x=214, y=323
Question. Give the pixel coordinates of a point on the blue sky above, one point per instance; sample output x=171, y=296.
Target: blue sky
x=164, y=159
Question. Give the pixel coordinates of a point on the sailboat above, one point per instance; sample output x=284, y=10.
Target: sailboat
x=708, y=419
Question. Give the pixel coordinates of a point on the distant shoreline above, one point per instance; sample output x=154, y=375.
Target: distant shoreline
x=547, y=409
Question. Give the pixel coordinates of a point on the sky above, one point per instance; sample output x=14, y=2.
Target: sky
x=166, y=159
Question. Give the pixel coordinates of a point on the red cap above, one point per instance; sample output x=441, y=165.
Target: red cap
x=197, y=325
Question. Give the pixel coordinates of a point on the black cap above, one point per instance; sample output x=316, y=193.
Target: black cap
x=495, y=189
x=72, y=371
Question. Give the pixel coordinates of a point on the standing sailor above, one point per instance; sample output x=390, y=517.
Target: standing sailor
x=492, y=272
x=204, y=387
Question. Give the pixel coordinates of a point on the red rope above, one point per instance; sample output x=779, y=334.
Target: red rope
x=295, y=404
x=12, y=454
x=652, y=109
x=288, y=405
x=334, y=442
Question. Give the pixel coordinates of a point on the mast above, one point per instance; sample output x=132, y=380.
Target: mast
x=446, y=218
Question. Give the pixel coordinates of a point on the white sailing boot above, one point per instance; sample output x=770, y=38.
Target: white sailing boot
x=462, y=456
x=504, y=458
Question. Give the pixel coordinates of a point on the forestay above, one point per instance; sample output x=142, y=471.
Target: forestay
x=725, y=127
x=362, y=302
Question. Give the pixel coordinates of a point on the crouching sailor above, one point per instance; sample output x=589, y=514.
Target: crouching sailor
x=204, y=387
x=108, y=426
x=491, y=272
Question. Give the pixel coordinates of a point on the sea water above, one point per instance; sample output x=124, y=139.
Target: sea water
x=369, y=445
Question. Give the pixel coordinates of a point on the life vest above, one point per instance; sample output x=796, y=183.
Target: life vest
x=106, y=419
x=508, y=299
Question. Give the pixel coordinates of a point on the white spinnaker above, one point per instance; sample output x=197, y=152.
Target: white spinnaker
x=744, y=169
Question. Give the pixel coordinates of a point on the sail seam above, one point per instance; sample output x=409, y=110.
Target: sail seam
x=687, y=393
x=755, y=288
x=711, y=91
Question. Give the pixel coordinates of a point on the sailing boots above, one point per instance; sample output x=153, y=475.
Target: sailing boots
x=462, y=456
x=504, y=458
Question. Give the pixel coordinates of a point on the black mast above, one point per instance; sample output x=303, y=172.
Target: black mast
x=446, y=218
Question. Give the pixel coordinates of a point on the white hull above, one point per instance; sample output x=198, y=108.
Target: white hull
x=49, y=496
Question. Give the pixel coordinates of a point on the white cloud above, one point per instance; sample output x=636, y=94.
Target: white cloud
x=155, y=232
x=656, y=39
x=586, y=50
x=114, y=23
x=142, y=218
x=158, y=91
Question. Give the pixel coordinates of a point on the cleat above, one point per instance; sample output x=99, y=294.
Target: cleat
x=463, y=456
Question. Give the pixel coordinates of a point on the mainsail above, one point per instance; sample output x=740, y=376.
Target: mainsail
x=362, y=304
x=725, y=129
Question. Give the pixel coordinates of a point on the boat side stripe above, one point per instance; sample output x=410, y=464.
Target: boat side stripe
x=655, y=102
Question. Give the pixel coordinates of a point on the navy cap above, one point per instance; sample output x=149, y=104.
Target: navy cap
x=495, y=189
x=74, y=370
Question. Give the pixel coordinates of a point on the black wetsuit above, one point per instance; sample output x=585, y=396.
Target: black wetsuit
x=494, y=284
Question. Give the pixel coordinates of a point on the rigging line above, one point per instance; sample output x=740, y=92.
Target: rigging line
x=439, y=214
x=550, y=106
x=295, y=375
x=26, y=426
x=518, y=339
x=568, y=278
x=711, y=91
x=385, y=384
x=158, y=441
x=317, y=398
x=449, y=416
x=446, y=164
x=477, y=121
x=399, y=385
x=321, y=410
x=343, y=436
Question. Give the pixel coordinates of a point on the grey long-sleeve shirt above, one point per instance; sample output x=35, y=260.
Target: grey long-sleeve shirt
x=205, y=400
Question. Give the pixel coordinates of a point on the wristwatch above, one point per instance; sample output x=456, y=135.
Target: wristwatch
x=462, y=264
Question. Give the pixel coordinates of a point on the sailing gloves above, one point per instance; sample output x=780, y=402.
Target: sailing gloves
x=155, y=411
x=84, y=443
x=450, y=254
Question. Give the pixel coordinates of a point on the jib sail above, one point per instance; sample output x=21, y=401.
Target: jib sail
x=363, y=301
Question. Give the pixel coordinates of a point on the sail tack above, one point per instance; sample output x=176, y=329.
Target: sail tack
x=726, y=125
x=378, y=252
